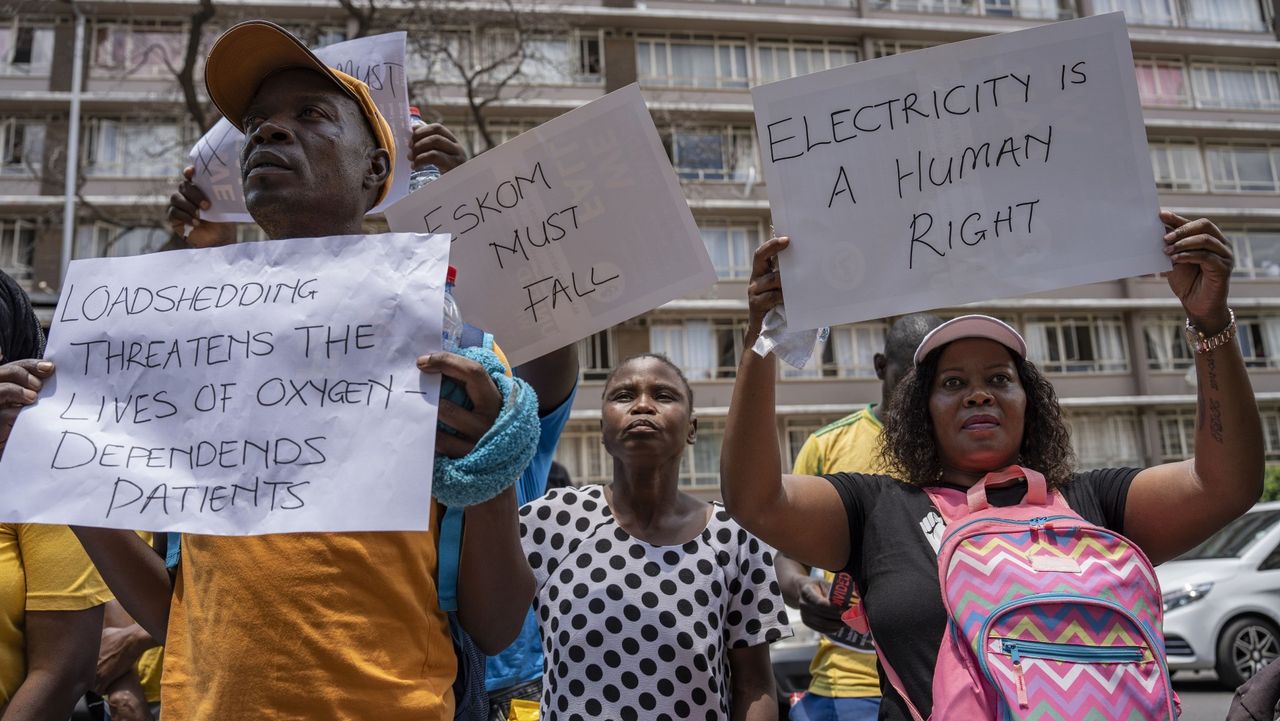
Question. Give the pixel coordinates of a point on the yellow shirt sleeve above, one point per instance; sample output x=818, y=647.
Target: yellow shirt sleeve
x=809, y=459
x=60, y=576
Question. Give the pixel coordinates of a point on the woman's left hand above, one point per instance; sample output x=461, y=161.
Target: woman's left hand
x=1201, y=275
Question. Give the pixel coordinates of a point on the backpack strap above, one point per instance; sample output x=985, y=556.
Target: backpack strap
x=895, y=681
x=954, y=505
x=448, y=556
x=1037, y=488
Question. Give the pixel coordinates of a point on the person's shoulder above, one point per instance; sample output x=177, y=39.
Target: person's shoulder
x=846, y=424
x=1095, y=477
x=878, y=481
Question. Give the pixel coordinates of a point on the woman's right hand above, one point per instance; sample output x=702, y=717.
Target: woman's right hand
x=764, y=291
x=184, y=212
x=20, y=383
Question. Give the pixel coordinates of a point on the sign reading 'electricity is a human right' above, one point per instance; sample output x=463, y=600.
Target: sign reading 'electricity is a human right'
x=987, y=168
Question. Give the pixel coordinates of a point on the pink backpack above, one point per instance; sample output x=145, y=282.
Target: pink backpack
x=1050, y=616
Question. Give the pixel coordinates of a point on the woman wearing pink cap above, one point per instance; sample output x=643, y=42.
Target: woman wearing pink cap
x=974, y=405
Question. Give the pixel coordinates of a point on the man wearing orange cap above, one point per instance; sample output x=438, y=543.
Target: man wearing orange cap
x=320, y=626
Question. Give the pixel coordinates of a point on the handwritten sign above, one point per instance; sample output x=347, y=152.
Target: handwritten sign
x=378, y=61
x=569, y=229
x=257, y=388
x=986, y=168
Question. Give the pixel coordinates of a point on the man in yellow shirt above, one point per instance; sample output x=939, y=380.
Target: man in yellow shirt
x=845, y=685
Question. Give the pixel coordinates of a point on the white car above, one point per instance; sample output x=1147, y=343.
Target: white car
x=1222, y=599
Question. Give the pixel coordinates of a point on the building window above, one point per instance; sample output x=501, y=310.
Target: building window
x=107, y=240
x=1167, y=348
x=1106, y=439
x=1177, y=435
x=25, y=48
x=692, y=62
x=595, y=356
x=318, y=35
x=1162, y=82
x=17, y=247
x=713, y=153
x=1243, y=168
x=848, y=353
x=700, y=467
x=731, y=245
x=883, y=48
x=782, y=59
x=21, y=146
x=138, y=48
x=1041, y=9
x=1177, y=165
x=544, y=59
x=1236, y=85
x=703, y=349
x=1139, y=12
x=135, y=148
x=1271, y=432
x=1259, y=338
x=582, y=454
x=1210, y=14
x=1077, y=344
x=1223, y=14
x=1257, y=253
x=501, y=132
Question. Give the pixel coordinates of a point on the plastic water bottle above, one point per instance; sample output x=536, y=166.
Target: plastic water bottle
x=452, y=316
x=419, y=177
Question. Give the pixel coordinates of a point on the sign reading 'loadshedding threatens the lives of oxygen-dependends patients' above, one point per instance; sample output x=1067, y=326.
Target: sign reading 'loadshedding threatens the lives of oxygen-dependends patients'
x=976, y=170
x=569, y=229
x=378, y=61
x=256, y=388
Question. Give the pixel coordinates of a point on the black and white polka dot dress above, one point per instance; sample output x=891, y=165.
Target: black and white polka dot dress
x=636, y=631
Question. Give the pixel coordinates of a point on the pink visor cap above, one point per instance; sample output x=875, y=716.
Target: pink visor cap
x=972, y=326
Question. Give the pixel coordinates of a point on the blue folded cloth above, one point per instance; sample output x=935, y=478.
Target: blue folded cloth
x=502, y=453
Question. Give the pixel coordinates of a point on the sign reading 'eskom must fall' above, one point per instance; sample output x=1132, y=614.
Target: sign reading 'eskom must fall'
x=975, y=170
x=569, y=229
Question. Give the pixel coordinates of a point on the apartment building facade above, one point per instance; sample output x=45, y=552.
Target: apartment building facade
x=1208, y=73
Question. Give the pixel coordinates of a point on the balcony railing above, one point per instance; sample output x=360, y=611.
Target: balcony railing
x=1029, y=9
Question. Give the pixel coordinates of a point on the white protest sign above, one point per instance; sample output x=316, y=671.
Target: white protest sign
x=378, y=61
x=256, y=388
x=569, y=229
x=981, y=169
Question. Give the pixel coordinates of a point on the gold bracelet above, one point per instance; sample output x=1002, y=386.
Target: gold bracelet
x=1202, y=344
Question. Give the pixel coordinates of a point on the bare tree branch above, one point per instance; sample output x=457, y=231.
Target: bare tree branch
x=364, y=17
x=186, y=74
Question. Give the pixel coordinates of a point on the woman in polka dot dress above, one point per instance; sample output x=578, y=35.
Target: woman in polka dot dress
x=652, y=604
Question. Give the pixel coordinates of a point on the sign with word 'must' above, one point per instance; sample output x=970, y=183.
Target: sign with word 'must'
x=976, y=170
x=569, y=229
x=378, y=61
x=256, y=388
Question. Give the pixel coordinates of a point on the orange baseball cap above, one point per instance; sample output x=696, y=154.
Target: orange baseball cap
x=248, y=52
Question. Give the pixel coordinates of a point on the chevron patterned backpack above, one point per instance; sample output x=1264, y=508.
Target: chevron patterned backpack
x=1050, y=616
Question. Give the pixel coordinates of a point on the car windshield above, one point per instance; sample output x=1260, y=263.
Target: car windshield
x=1235, y=539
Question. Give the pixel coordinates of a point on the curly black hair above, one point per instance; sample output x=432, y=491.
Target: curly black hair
x=910, y=446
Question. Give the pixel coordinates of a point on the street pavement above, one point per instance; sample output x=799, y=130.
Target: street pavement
x=1202, y=698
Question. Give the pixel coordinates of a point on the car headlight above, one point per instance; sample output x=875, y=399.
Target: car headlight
x=1186, y=595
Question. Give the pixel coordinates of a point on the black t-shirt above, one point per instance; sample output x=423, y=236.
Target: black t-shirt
x=895, y=531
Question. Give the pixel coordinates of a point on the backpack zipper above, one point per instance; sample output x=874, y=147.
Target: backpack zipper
x=1020, y=685
x=1071, y=653
x=1037, y=523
